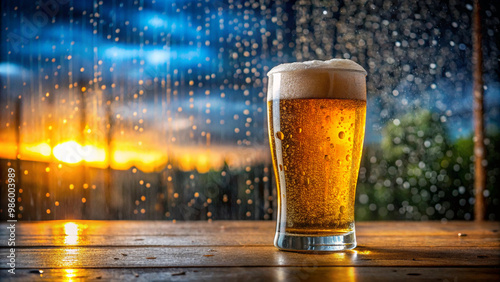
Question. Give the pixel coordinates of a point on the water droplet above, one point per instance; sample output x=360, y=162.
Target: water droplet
x=280, y=135
x=349, y=139
x=284, y=167
x=281, y=167
x=327, y=158
x=348, y=157
x=339, y=162
x=328, y=138
x=342, y=209
x=328, y=119
x=341, y=134
x=299, y=130
x=308, y=181
x=341, y=118
x=331, y=145
x=303, y=173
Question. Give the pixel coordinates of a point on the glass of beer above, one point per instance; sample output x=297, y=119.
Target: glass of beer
x=316, y=114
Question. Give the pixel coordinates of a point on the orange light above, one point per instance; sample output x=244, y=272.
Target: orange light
x=70, y=229
x=68, y=152
x=71, y=152
x=42, y=149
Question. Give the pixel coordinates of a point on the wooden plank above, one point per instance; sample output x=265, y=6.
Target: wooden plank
x=132, y=244
x=228, y=239
x=112, y=257
x=235, y=233
x=380, y=228
x=260, y=274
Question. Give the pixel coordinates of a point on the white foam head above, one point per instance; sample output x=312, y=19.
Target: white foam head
x=333, y=79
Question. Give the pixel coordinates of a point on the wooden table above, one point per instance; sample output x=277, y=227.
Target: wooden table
x=243, y=250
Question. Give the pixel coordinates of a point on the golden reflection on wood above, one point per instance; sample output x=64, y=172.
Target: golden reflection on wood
x=110, y=249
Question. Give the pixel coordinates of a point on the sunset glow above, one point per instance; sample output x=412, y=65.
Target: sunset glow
x=124, y=156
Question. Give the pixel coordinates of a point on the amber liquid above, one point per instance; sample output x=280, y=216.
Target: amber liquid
x=316, y=148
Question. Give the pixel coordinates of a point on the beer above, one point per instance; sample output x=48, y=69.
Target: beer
x=316, y=117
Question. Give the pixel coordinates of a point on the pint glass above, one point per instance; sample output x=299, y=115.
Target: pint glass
x=316, y=114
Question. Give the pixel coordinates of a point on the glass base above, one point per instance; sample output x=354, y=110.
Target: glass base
x=304, y=243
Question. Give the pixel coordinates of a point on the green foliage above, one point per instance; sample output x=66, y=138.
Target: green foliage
x=417, y=173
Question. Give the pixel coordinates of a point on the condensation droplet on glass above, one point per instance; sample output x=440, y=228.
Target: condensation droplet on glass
x=281, y=167
x=299, y=130
x=280, y=135
x=341, y=134
x=331, y=145
x=339, y=162
x=327, y=158
x=342, y=209
x=328, y=138
x=348, y=157
x=328, y=119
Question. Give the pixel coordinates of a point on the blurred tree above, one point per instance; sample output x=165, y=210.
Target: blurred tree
x=416, y=151
x=418, y=173
x=462, y=172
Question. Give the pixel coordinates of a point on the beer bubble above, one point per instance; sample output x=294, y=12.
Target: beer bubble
x=327, y=158
x=280, y=135
x=341, y=134
x=348, y=157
